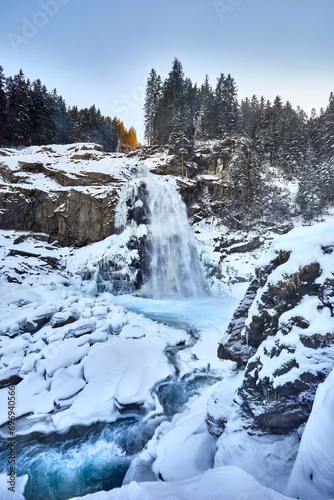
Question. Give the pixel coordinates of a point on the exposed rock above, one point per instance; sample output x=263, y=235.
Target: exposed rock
x=236, y=348
x=70, y=217
x=247, y=246
x=63, y=318
x=70, y=204
x=36, y=324
x=13, y=279
x=12, y=380
x=283, y=333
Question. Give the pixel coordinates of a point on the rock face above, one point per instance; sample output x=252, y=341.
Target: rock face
x=71, y=217
x=282, y=333
x=63, y=194
x=70, y=192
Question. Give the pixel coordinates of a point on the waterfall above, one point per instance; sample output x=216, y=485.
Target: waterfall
x=169, y=264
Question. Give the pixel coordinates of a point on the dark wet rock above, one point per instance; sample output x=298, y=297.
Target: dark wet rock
x=13, y=279
x=12, y=380
x=216, y=426
x=236, y=348
x=246, y=246
x=129, y=407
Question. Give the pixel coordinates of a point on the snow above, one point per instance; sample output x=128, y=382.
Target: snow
x=224, y=483
x=75, y=373
x=88, y=356
x=312, y=475
x=20, y=483
x=314, y=238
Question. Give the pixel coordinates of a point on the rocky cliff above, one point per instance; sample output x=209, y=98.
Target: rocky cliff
x=281, y=337
x=70, y=192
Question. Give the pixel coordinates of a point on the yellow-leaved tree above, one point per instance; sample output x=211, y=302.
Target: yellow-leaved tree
x=127, y=139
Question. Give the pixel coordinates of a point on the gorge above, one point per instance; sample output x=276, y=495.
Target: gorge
x=112, y=345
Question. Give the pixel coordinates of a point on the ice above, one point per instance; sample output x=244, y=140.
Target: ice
x=267, y=458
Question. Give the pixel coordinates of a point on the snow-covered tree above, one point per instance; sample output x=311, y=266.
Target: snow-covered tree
x=153, y=94
x=310, y=196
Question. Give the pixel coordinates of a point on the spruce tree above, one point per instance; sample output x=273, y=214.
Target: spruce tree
x=310, y=192
x=204, y=128
x=227, y=110
x=3, y=109
x=153, y=95
x=19, y=104
x=328, y=129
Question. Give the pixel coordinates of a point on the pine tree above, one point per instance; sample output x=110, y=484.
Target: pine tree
x=247, y=184
x=227, y=111
x=328, y=129
x=40, y=115
x=19, y=103
x=204, y=118
x=169, y=111
x=153, y=95
x=3, y=108
x=310, y=193
x=62, y=122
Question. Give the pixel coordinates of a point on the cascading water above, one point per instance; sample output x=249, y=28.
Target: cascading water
x=169, y=264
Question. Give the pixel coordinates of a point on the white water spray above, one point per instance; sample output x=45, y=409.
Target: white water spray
x=172, y=263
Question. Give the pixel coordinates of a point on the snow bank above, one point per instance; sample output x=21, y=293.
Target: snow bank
x=312, y=477
x=20, y=483
x=306, y=245
x=225, y=483
x=81, y=358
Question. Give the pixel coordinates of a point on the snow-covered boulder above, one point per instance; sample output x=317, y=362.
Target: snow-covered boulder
x=17, y=487
x=283, y=331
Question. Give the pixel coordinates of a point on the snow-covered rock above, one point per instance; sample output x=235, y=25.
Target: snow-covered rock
x=283, y=330
x=66, y=191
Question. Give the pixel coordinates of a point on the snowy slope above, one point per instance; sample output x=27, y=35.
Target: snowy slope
x=81, y=358
x=225, y=483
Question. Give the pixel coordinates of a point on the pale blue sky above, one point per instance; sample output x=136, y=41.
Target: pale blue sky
x=101, y=51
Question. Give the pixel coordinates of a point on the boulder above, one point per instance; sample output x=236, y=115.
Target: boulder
x=282, y=333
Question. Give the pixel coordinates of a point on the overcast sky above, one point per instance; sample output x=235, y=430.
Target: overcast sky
x=101, y=51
